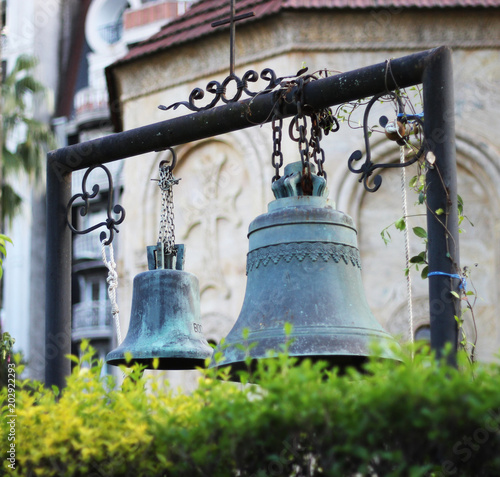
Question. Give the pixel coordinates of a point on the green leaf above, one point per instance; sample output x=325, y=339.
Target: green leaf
x=420, y=232
x=413, y=181
x=386, y=236
x=4, y=237
x=425, y=272
x=439, y=211
x=400, y=224
x=455, y=294
x=460, y=203
x=73, y=358
x=417, y=259
x=288, y=329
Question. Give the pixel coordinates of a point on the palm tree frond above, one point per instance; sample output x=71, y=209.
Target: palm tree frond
x=33, y=138
x=27, y=85
x=11, y=203
x=24, y=62
x=10, y=163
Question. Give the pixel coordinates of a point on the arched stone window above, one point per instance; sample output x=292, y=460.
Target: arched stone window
x=383, y=265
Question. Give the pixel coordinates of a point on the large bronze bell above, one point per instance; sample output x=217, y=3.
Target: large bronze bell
x=165, y=318
x=303, y=268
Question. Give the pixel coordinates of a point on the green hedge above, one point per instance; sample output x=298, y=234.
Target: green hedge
x=413, y=419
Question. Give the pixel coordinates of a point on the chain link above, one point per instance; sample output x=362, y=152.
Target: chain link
x=167, y=228
x=308, y=149
x=301, y=127
x=318, y=152
x=277, y=154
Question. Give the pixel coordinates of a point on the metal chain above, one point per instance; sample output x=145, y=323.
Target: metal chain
x=277, y=154
x=303, y=143
x=167, y=228
x=298, y=133
x=318, y=152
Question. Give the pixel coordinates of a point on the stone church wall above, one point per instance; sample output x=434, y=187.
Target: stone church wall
x=226, y=180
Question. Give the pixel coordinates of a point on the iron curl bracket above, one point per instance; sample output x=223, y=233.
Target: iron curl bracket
x=219, y=90
x=85, y=196
x=368, y=167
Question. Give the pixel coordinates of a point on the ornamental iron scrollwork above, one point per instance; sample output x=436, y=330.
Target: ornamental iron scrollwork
x=219, y=90
x=86, y=196
x=368, y=167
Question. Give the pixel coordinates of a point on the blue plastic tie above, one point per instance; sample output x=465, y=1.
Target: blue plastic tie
x=411, y=117
x=463, y=280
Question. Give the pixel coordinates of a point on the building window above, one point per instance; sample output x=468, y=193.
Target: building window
x=104, y=24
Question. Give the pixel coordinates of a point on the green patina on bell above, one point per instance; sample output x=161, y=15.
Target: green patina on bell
x=165, y=318
x=303, y=268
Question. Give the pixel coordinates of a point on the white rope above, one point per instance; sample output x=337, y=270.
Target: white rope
x=112, y=286
x=407, y=242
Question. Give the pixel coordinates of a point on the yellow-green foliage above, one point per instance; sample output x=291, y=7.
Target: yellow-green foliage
x=412, y=419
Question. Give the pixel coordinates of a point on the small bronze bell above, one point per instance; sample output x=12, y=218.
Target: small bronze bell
x=303, y=268
x=165, y=318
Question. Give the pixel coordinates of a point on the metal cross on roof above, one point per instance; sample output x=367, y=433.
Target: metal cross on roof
x=231, y=20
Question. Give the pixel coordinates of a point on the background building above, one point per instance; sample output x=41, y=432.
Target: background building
x=74, y=41
x=29, y=29
x=226, y=180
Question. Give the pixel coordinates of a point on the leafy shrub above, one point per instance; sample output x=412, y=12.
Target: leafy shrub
x=413, y=419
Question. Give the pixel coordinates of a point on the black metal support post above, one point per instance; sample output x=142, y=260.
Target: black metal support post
x=58, y=280
x=432, y=68
x=442, y=228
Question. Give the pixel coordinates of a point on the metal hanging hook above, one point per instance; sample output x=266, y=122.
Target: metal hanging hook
x=170, y=166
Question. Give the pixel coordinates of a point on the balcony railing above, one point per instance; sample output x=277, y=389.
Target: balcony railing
x=112, y=32
x=150, y=13
x=92, y=319
x=91, y=105
x=87, y=247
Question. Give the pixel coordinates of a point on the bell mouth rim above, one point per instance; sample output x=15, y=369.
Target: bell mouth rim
x=184, y=357
x=308, y=330
x=341, y=346
x=164, y=364
x=342, y=363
